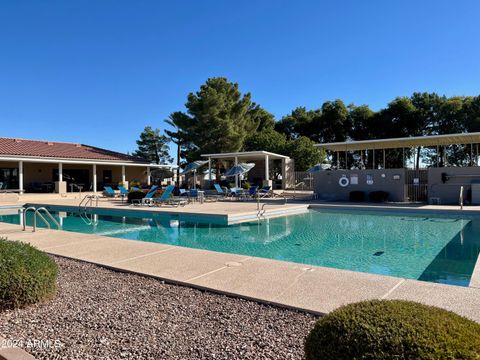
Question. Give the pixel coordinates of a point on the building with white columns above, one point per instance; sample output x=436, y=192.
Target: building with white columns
x=48, y=166
x=271, y=169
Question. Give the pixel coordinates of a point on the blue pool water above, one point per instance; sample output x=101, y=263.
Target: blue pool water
x=430, y=248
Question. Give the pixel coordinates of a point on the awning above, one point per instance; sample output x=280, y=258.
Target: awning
x=406, y=142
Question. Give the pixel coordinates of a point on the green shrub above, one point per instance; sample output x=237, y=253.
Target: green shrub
x=246, y=185
x=135, y=183
x=135, y=195
x=393, y=329
x=27, y=275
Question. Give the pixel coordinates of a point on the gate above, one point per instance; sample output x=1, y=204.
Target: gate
x=305, y=179
x=416, y=182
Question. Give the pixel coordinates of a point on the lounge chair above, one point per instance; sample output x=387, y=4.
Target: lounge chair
x=265, y=192
x=123, y=192
x=219, y=190
x=109, y=192
x=148, y=199
x=236, y=193
x=252, y=192
x=167, y=199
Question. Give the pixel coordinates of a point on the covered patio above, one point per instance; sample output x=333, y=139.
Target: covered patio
x=438, y=169
x=39, y=166
x=263, y=172
x=376, y=151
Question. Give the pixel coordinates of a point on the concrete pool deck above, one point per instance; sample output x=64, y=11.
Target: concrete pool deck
x=225, y=210
x=309, y=288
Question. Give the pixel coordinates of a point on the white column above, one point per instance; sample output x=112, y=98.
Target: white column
x=123, y=173
x=267, y=170
x=149, y=176
x=20, y=176
x=236, y=176
x=94, y=178
x=210, y=170
x=60, y=172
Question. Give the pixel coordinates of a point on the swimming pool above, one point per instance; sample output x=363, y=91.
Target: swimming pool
x=433, y=248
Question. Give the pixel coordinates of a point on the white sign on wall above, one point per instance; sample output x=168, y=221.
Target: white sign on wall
x=354, y=179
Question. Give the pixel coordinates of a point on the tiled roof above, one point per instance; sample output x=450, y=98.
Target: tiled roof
x=60, y=150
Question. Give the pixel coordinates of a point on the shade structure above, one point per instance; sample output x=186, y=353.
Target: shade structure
x=319, y=167
x=239, y=169
x=193, y=166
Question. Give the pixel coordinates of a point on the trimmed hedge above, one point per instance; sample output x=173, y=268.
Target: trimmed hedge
x=27, y=275
x=393, y=329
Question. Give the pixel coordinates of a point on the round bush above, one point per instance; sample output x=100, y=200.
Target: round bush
x=394, y=329
x=27, y=275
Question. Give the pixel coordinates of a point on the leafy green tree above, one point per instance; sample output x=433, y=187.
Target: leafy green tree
x=297, y=123
x=267, y=140
x=334, y=123
x=153, y=146
x=304, y=153
x=472, y=114
x=260, y=119
x=219, y=118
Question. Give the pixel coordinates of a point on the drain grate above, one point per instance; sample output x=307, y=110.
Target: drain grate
x=378, y=253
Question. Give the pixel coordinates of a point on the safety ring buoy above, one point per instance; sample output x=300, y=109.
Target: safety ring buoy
x=343, y=181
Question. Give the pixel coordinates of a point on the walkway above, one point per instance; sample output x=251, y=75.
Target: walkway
x=311, y=288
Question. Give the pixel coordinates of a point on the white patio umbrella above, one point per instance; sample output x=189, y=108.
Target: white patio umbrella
x=193, y=167
x=318, y=168
x=239, y=169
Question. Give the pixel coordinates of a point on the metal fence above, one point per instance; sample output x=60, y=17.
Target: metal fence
x=304, y=180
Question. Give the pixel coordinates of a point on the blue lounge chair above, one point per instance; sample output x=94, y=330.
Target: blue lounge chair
x=148, y=199
x=123, y=192
x=252, y=192
x=109, y=192
x=219, y=190
x=167, y=199
x=265, y=192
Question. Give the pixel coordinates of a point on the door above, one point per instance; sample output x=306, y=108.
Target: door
x=416, y=182
x=107, y=177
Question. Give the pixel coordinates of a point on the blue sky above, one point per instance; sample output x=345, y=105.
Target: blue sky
x=97, y=72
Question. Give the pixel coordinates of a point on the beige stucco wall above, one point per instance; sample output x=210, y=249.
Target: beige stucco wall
x=43, y=172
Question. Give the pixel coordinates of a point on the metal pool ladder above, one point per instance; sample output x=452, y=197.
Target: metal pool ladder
x=38, y=212
x=460, y=199
x=88, y=200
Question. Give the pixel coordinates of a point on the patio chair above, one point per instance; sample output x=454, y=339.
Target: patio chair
x=109, y=192
x=252, y=192
x=123, y=192
x=219, y=190
x=148, y=199
x=236, y=193
x=265, y=192
x=167, y=199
